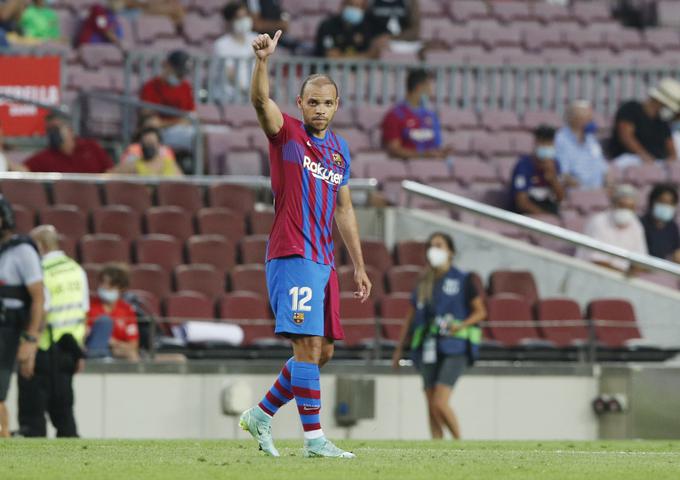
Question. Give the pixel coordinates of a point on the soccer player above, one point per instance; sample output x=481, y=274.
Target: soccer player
x=309, y=173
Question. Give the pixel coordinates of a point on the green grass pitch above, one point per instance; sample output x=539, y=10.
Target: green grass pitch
x=192, y=460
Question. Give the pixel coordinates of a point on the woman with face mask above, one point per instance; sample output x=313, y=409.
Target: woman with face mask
x=112, y=323
x=661, y=229
x=148, y=157
x=442, y=330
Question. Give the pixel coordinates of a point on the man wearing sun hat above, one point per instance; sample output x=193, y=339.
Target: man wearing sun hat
x=642, y=132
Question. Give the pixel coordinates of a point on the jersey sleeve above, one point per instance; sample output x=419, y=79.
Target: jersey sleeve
x=391, y=128
x=282, y=136
x=437, y=128
x=471, y=291
x=348, y=162
x=520, y=178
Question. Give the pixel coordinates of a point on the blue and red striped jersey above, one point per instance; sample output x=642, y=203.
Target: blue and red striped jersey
x=306, y=173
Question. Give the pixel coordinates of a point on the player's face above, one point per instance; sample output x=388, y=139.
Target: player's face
x=318, y=105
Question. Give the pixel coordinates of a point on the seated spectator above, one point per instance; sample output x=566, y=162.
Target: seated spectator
x=102, y=25
x=619, y=227
x=347, y=34
x=536, y=184
x=112, y=323
x=399, y=19
x=148, y=157
x=6, y=165
x=172, y=90
x=236, y=47
x=411, y=129
x=40, y=22
x=642, y=131
x=578, y=151
x=67, y=153
x=10, y=14
x=661, y=230
x=268, y=17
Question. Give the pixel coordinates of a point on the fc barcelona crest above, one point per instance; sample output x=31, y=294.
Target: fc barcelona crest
x=337, y=160
x=298, y=318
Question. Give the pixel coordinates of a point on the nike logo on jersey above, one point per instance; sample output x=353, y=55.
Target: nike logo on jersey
x=322, y=173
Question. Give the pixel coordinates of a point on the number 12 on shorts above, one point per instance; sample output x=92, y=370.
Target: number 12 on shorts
x=300, y=296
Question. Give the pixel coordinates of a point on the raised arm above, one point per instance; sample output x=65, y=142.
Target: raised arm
x=268, y=114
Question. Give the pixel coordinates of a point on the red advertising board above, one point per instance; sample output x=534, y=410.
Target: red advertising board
x=32, y=78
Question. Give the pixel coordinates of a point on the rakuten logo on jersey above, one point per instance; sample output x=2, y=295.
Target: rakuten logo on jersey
x=321, y=172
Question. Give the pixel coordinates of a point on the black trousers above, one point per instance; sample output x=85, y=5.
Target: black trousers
x=50, y=391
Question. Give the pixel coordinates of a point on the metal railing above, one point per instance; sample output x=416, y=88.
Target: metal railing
x=537, y=226
x=363, y=82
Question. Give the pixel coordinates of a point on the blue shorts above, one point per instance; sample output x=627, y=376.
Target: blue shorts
x=305, y=297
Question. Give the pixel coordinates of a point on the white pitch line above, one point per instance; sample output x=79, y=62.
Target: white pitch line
x=519, y=452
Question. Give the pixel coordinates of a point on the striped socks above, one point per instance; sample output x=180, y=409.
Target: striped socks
x=307, y=391
x=280, y=393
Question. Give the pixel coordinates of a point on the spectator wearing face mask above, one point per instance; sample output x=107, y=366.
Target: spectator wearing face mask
x=642, y=132
x=618, y=226
x=171, y=89
x=112, y=323
x=347, y=34
x=661, y=230
x=578, y=151
x=102, y=25
x=67, y=153
x=536, y=184
x=236, y=48
x=399, y=19
x=148, y=157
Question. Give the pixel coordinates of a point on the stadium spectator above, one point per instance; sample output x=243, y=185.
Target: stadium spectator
x=235, y=47
x=10, y=14
x=6, y=165
x=112, y=323
x=102, y=25
x=578, y=151
x=399, y=19
x=172, y=90
x=268, y=17
x=67, y=153
x=442, y=330
x=60, y=354
x=642, y=132
x=40, y=22
x=22, y=302
x=661, y=230
x=148, y=157
x=347, y=34
x=618, y=226
x=536, y=184
x=411, y=129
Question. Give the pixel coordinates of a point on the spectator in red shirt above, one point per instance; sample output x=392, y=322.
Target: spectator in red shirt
x=172, y=90
x=102, y=25
x=112, y=323
x=411, y=129
x=67, y=153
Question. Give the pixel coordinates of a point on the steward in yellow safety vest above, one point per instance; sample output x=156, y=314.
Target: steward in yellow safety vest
x=60, y=347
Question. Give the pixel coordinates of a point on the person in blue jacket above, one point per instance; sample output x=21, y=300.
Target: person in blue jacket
x=443, y=331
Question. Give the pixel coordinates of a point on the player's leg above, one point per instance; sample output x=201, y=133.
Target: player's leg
x=442, y=395
x=433, y=415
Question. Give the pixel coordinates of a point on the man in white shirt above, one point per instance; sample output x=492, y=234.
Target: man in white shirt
x=618, y=226
x=236, y=48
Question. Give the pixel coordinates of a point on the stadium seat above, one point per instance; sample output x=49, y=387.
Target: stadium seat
x=212, y=250
x=254, y=248
x=67, y=219
x=403, y=278
x=511, y=308
x=163, y=250
x=185, y=195
x=376, y=254
x=561, y=322
x=103, y=248
x=588, y=201
x=68, y=246
x=221, y=221
x=149, y=302
x=358, y=321
x=149, y=28
x=29, y=194
x=186, y=306
x=200, y=278
x=24, y=219
x=465, y=10
x=518, y=282
x=250, y=278
x=235, y=197
x=614, y=322
x=150, y=278
x=251, y=312
x=393, y=310
x=92, y=271
x=411, y=253
x=117, y=219
x=347, y=284
x=84, y=195
x=261, y=222
x=173, y=221
x=244, y=163
x=137, y=196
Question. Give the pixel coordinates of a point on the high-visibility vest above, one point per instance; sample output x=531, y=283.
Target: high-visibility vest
x=65, y=282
